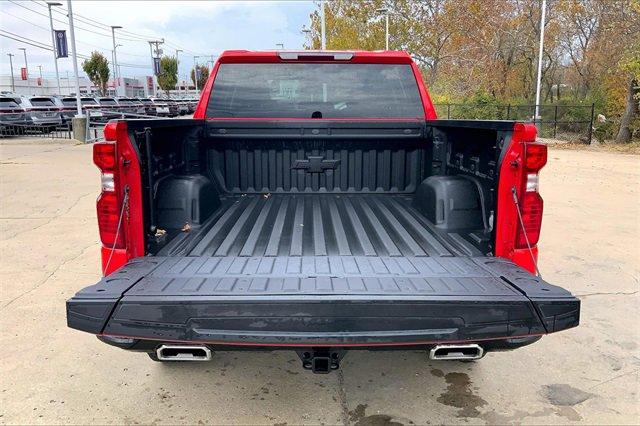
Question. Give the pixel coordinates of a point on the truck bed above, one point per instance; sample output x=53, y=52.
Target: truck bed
x=288, y=225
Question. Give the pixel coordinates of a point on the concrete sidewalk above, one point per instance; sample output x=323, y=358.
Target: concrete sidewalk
x=50, y=374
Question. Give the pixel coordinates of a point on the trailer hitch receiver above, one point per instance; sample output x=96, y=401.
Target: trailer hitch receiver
x=321, y=360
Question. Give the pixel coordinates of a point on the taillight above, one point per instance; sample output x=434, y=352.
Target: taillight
x=109, y=220
x=535, y=156
x=110, y=131
x=104, y=155
x=109, y=204
x=531, y=208
x=530, y=201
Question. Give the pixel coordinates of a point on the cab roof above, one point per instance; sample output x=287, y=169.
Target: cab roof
x=337, y=56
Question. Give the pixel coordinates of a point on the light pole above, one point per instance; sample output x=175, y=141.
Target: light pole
x=115, y=57
x=53, y=42
x=178, y=68
x=195, y=72
x=158, y=52
x=280, y=46
x=75, y=58
x=386, y=26
x=115, y=66
x=540, y=50
x=13, y=84
x=26, y=67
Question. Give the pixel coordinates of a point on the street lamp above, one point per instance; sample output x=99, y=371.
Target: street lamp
x=26, y=67
x=280, y=46
x=386, y=25
x=195, y=72
x=178, y=68
x=53, y=42
x=74, y=53
x=540, y=51
x=155, y=54
x=115, y=58
x=114, y=66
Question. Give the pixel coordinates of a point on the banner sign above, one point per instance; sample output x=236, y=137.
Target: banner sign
x=23, y=73
x=62, y=50
x=198, y=74
x=39, y=81
x=150, y=84
x=156, y=66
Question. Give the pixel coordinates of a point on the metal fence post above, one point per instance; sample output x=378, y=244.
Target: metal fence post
x=555, y=122
x=508, y=111
x=593, y=110
x=448, y=111
x=87, y=127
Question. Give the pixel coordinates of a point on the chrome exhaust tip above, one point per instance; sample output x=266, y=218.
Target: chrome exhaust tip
x=183, y=353
x=456, y=352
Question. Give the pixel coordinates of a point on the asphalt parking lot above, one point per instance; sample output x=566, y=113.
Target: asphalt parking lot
x=50, y=374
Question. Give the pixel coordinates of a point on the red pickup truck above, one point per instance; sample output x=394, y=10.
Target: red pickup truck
x=315, y=203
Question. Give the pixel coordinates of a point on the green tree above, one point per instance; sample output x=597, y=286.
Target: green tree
x=168, y=77
x=97, y=69
x=486, y=51
x=204, y=75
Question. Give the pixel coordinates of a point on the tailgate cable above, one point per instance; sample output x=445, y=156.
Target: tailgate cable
x=524, y=231
x=125, y=202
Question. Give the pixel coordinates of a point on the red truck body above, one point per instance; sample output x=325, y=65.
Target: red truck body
x=321, y=227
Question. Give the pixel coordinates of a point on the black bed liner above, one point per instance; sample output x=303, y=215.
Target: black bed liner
x=319, y=225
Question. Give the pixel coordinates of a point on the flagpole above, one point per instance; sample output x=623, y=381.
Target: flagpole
x=540, y=51
x=75, y=59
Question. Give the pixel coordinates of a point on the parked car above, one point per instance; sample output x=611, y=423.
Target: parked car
x=192, y=103
x=332, y=214
x=41, y=110
x=139, y=106
x=149, y=107
x=109, y=107
x=173, y=107
x=12, y=115
x=183, y=106
x=162, y=107
x=88, y=104
x=129, y=106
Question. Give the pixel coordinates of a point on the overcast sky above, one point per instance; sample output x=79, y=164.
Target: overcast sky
x=199, y=28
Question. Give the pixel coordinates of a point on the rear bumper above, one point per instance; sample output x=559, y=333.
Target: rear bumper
x=127, y=304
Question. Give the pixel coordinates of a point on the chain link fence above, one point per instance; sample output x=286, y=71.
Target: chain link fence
x=565, y=122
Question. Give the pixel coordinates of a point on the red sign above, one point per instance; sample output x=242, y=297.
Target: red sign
x=150, y=83
x=23, y=73
x=39, y=81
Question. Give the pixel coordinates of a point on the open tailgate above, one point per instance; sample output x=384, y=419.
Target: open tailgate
x=322, y=300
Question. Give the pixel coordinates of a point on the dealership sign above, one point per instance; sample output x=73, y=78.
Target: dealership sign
x=23, y=73
x=62, y=50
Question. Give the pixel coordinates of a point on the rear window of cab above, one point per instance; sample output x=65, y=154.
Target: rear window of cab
x=314, y=90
